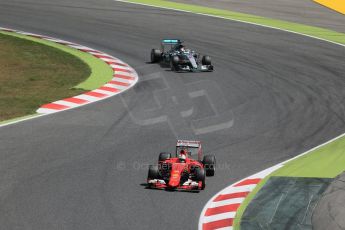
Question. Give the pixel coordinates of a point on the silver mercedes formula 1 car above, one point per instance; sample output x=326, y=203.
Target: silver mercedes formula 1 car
x=174, y=54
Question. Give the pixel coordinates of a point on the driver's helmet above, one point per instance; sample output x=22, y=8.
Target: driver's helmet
x=181, y=48
x=182, y=156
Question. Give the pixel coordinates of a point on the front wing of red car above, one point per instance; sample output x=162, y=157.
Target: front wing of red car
x=189, y=185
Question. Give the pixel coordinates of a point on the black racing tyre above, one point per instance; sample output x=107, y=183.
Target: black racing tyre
x=174, y=67
x=200, y=176
x=164, y=156
x=175, y=60
x=206, y=60
x=155, y=55
x=174, y=63
x=153, y=172
x=209, y=162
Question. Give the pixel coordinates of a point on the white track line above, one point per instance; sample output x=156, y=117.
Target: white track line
x=236, y=20
x=268, y=171
x=74, y=102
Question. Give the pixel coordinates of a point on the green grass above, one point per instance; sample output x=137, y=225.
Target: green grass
x=19, y=119
x=327, y=161
x=245, y=203
x=100, y=74
x=295, y=27
x=33, y=74
x=35, y=71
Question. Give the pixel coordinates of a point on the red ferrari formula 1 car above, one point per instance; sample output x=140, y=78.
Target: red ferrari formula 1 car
x=184, y=170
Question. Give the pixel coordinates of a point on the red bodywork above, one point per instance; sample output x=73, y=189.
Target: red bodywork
x=176, y=170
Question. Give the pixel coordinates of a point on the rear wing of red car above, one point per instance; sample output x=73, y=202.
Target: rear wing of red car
x=195, y=144
x=191, y=144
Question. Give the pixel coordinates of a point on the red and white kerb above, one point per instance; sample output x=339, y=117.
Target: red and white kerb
x=220, y=210
x=124, y=77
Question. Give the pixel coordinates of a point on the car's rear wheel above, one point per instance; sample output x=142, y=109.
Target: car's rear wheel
x=174, y=63
x=209, y=162
x=200, y=176
x=206, y=60
x=175, y=60
x=155, y=55
x=174, y=67
x=164, y=156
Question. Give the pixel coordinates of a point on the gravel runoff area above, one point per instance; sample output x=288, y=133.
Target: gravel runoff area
x=299, y=11
x=330, y=211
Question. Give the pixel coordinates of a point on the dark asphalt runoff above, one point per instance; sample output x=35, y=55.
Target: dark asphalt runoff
x=272, y=96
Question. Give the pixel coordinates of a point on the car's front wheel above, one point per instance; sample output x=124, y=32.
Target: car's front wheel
x=153, y=172
x=155, y=55
x=206, y=60
x=200, y=176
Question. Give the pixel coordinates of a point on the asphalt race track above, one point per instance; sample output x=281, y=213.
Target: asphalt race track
x=272, y=96
x=304, y=12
